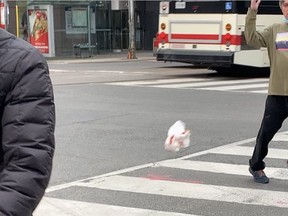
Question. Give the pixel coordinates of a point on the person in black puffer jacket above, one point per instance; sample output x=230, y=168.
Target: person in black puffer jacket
x=27, y=113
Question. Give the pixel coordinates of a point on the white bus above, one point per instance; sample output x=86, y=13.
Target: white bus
x=211, y=33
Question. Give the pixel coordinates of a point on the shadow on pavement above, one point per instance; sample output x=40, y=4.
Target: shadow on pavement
x=235, y=72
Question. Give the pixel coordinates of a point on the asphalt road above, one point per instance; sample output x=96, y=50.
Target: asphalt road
x=108, y=126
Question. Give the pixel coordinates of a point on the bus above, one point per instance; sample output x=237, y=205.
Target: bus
x=211, y=33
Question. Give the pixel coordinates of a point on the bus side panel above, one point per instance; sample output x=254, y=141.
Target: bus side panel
x=253, y=58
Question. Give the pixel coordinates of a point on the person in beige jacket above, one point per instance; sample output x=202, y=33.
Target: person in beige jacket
x=275, y=38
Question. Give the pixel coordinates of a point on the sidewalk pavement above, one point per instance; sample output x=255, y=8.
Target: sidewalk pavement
x=107, y=57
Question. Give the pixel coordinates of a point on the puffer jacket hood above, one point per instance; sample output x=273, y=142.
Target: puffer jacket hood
x=27, y=113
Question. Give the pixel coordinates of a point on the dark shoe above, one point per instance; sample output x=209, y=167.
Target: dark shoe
x=259, y=176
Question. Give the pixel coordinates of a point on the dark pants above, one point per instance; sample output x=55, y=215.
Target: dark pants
x=276, y=111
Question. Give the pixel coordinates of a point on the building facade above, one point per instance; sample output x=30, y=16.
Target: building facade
x=101, y=24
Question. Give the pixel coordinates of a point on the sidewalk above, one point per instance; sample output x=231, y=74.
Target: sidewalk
x=107, y=57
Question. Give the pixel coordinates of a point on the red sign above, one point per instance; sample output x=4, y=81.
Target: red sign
x=39, y=29
x=2, y=15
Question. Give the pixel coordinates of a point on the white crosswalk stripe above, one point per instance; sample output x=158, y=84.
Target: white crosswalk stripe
x=260, y=91
x=190, y=190
x=121, y=181
x=237, y=87
x=254, y=85
x=210, y=83
x=231, y=169
x=247, y=151
x=60, y=207
x=159, y=81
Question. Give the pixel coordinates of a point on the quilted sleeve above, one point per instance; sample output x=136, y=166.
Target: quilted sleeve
x=28, y=144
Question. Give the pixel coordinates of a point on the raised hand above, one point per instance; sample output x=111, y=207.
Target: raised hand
x=255, y=4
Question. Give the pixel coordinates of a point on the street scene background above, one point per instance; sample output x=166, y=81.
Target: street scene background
x=113, y=116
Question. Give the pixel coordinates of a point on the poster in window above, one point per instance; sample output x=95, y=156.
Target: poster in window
x=39, y=29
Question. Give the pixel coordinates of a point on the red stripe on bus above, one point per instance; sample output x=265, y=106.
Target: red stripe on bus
x=194, y=36
x=234, y=40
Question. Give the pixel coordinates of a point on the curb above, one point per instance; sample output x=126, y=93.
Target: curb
x=112, y=57
x=98, y=60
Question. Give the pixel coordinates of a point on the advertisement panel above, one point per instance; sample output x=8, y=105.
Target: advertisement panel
x=41, y=30
x=3, y=14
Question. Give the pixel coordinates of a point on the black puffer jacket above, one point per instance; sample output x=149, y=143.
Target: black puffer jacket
x=27, y=115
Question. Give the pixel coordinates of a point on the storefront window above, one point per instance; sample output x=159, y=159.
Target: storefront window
x=103, y=26
x=93, y=22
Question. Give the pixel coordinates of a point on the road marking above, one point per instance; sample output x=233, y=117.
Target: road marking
x=107, y=71
x=218, y=149
x=247, y=151
x=157, y=81
x=230, y=169
x=281, y=137
x=202, y=84
x=191, y=190
x=212, y=83
x=165, y=186
x=85, y=71
x=61, y=207
x=119, y=172
x=260, y=91
x=236, y=87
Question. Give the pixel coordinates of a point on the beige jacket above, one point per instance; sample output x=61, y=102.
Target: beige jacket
x=275, y=38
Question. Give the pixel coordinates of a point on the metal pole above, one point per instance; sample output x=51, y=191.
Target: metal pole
x=89, y=28
x=132, y=48
x=17, y=20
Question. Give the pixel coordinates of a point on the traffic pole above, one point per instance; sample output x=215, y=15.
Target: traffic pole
x=132, y=47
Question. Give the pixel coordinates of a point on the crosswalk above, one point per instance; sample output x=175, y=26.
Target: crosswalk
x=253, y=85
x=216, y=180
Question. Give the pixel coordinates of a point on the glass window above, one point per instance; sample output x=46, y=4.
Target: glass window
x=102, y=19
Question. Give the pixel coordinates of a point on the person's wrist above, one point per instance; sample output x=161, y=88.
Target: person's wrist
x=253, y=7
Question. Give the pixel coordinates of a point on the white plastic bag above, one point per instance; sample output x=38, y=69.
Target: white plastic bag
x=178, y=137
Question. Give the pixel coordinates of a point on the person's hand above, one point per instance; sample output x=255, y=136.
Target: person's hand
x=255, y=4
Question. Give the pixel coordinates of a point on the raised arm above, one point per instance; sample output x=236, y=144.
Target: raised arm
x=253, y=37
